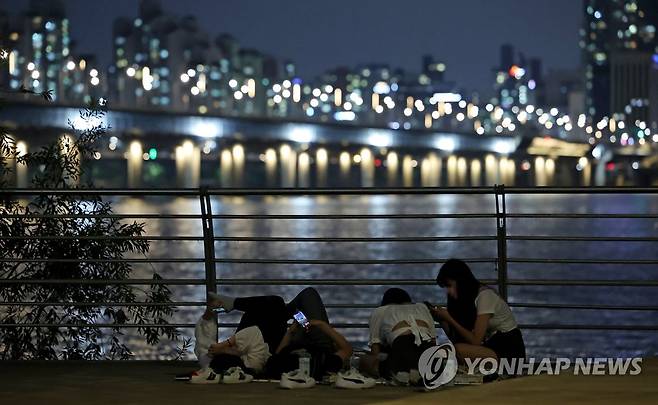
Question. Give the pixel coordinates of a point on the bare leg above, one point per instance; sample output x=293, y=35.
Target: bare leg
x=369, y=364
x=468, y=351
x=205, y=332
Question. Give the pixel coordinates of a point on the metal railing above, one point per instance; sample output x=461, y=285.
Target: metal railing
x=208, y=220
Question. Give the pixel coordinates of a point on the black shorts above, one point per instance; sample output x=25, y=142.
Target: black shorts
x=507, y=345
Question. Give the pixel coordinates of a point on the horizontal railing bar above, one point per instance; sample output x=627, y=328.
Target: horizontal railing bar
x=581, y=190
x=377, y=282
x=105, y=216
x=590, y=327
x=97, y=237
x=525, y=305
x=327, y=261
x=331, y=216
x=338, y=239
x=584, y=306
x=330, y=306
x=352, y=239
x=336, y=325
x=132, y=281
x=370, y=282
x=103, y=191
x=526, y=326
x=582, y=216
x=97, y=325
x=584, y=238
x=352, y=261
x=351, y=191
x=341, y=191
x=103, y=304
x=156, y=260
x=580, y=261
x=244, y=261
x=374, y=282
x=592, y=283
x=351, y=216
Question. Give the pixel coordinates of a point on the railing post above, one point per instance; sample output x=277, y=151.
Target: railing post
x=208, y=239
x=501, y=235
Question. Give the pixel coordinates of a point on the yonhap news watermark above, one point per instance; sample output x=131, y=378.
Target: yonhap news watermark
x=438, y=366
x=555, y=366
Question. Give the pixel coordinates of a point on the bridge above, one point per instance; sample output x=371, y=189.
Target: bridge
x=235, y=151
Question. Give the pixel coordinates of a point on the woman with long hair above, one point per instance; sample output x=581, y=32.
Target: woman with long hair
x=478, y=321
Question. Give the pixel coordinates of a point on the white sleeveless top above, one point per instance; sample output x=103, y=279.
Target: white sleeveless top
x=384, y=319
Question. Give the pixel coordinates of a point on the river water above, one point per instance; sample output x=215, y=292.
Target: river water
x=557, y=342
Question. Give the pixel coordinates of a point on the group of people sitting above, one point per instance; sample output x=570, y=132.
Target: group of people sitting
x=477, y=321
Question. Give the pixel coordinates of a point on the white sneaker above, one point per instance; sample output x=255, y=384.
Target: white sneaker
x=415, y=377
x=205, y=376
x=352, y=379
x=296, y=379
x=235, y=375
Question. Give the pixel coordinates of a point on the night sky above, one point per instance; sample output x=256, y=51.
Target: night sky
x=317, y=35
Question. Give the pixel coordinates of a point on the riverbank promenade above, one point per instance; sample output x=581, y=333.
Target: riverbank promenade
x=144, y=382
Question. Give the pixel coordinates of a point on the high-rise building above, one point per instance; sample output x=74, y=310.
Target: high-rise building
x=516, y=78
x=41, y=56
x=634, y=86
x=613, y=26
x=144, y=74
x=564, y=89
x=506, y=57
x=433, y=68
x=41, y=46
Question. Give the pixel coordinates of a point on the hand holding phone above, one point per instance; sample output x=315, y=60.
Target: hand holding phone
x=302, y=320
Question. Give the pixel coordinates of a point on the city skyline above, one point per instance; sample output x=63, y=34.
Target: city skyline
x=313, y=55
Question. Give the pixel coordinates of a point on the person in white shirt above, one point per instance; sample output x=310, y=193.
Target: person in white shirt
x=478, y=321
x=245, y=349
x=403, y=329
x=264, y=343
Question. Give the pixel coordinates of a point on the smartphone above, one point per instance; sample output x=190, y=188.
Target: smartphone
x=301, y=319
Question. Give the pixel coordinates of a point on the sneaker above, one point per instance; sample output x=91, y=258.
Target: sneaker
x=400, y=378
x=415, y=378
x=296, y=379
x=205, y=376
x=235, y=375
x=352, y=379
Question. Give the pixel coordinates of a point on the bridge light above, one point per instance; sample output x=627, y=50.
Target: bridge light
x=153, y=153
x=321, y=156
x=135, y=149
x=296, y=93
x=344, y=159
x=21, y=148
x=70, y=65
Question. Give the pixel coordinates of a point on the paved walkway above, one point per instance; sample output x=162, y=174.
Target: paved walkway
x=119, y=383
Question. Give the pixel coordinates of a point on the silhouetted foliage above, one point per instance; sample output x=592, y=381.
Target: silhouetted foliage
x=80, y=242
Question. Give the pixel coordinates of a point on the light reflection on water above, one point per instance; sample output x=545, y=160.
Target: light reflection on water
x=539, y=343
